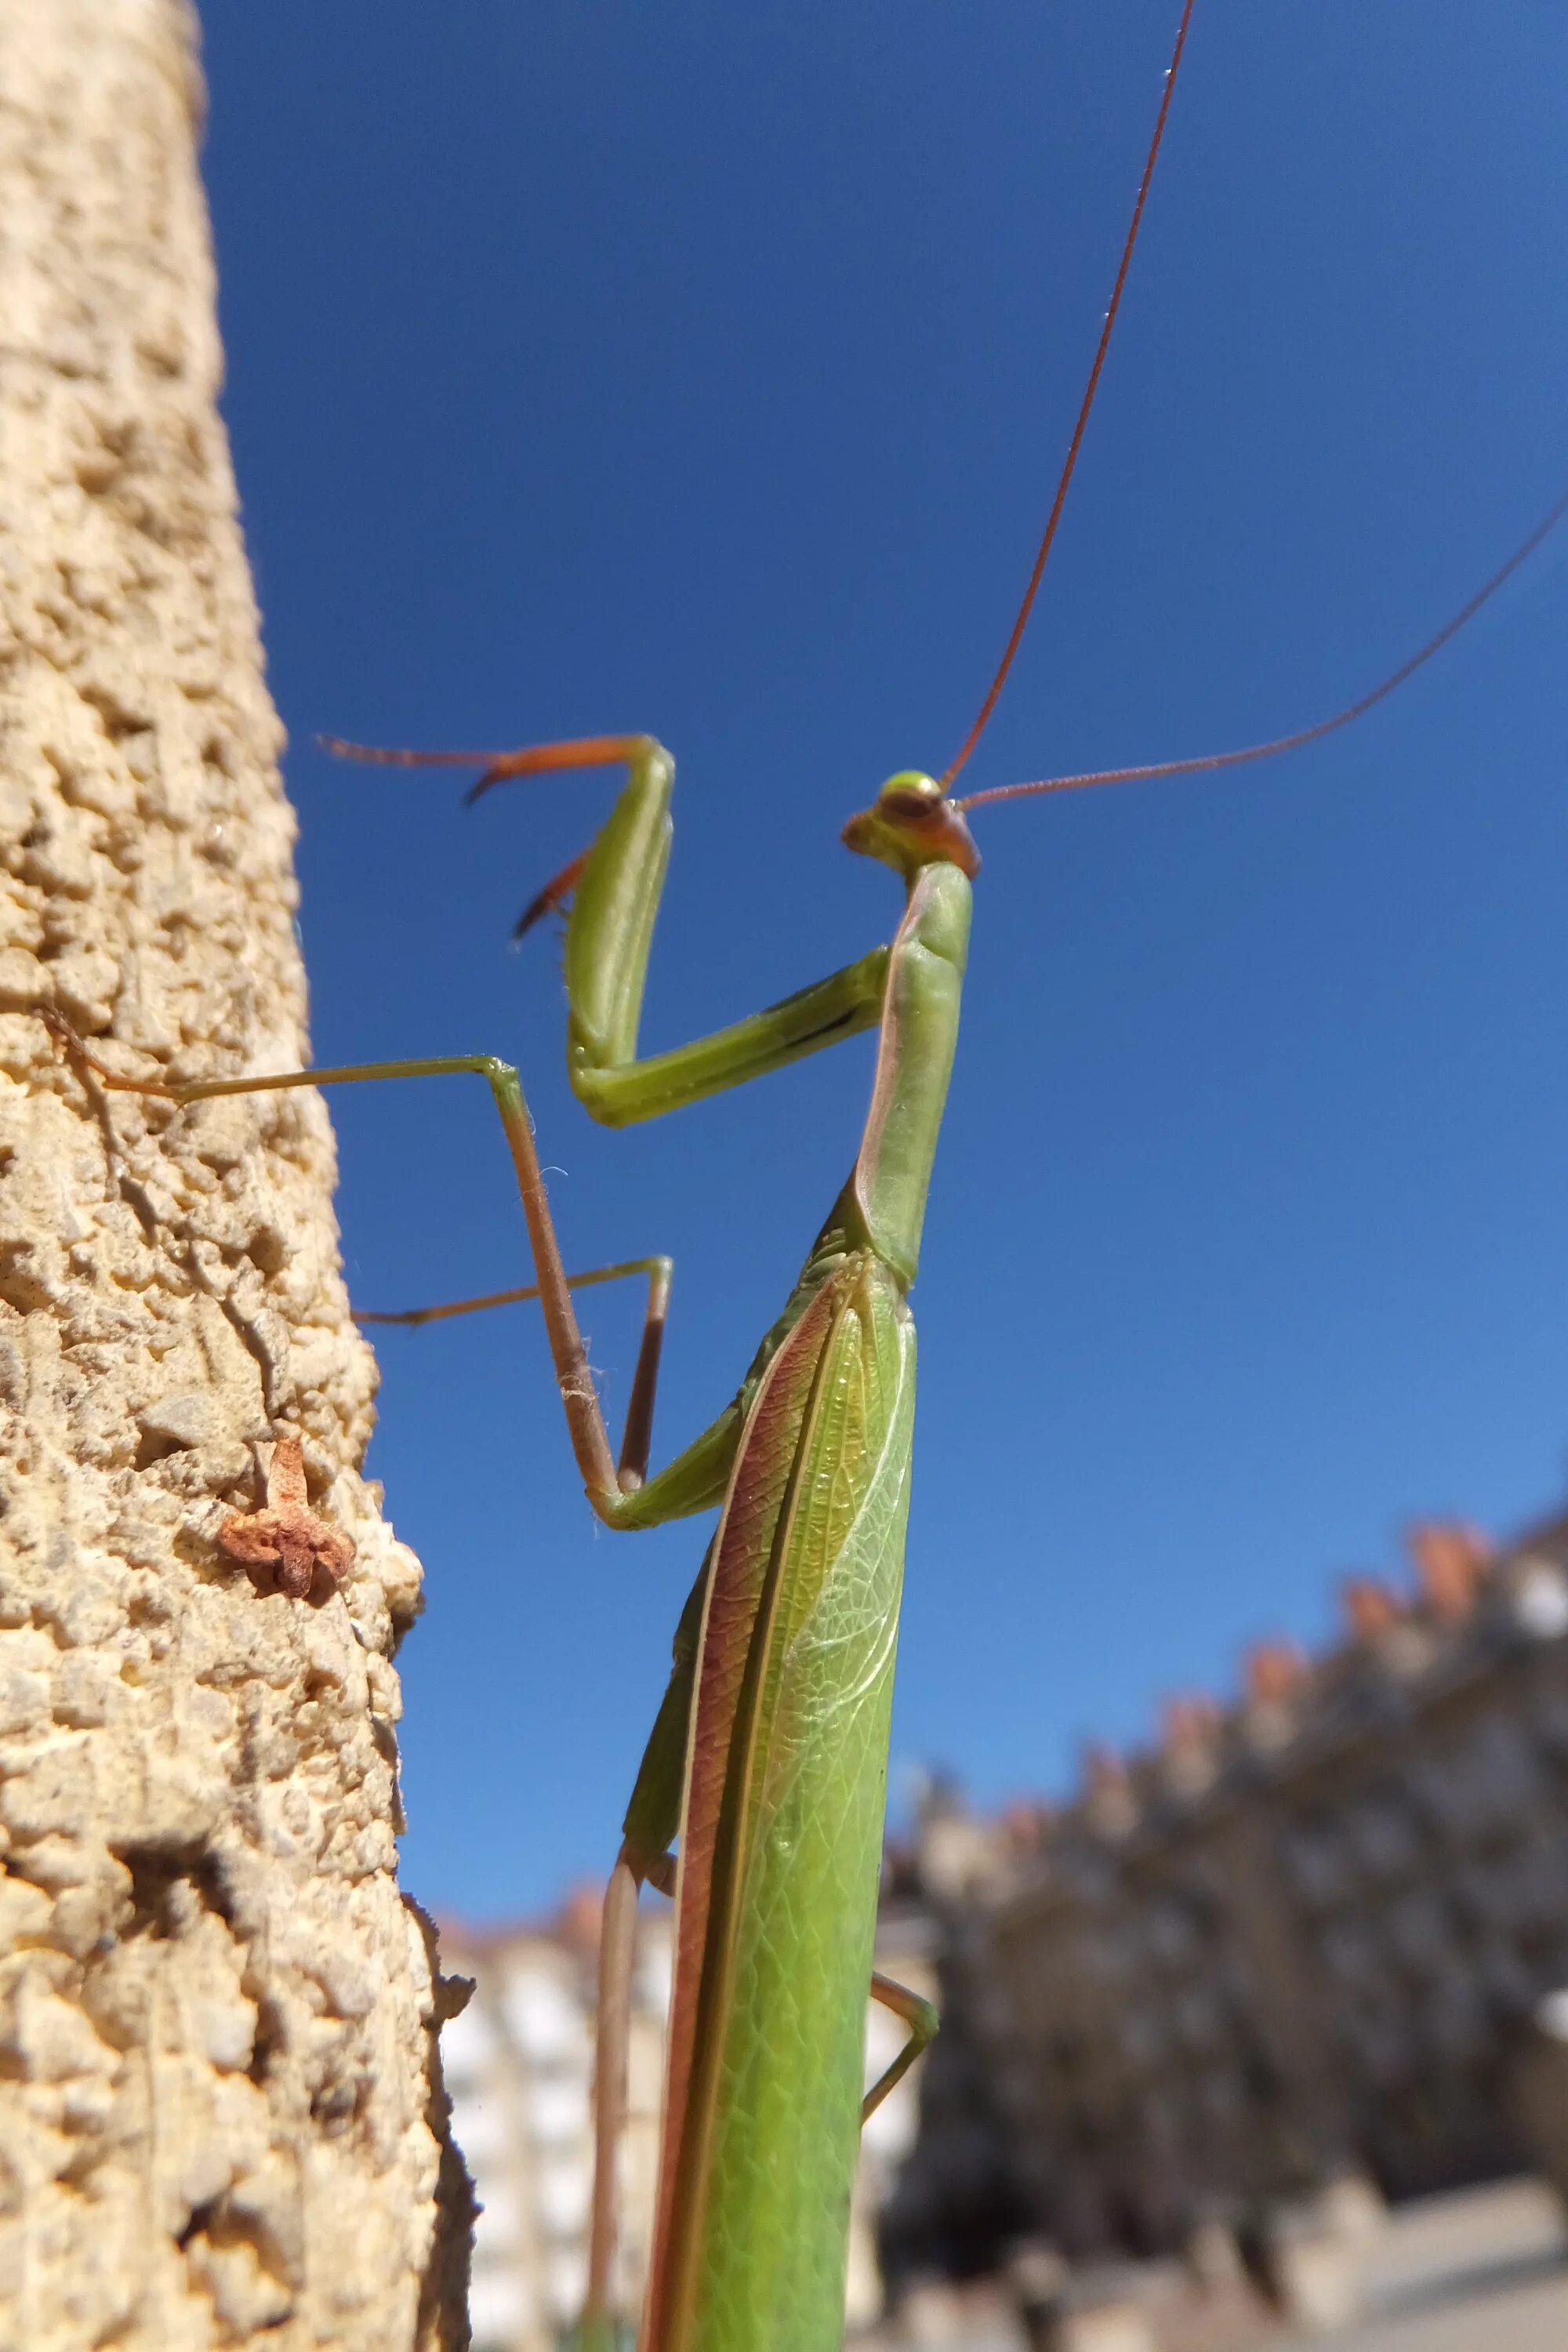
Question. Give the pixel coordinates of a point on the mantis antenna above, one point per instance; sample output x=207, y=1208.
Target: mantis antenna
x=1363, y=703
x=1047, y=536
x=1214, y=759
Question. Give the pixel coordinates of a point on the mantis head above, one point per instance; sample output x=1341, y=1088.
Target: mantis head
x=912, y=823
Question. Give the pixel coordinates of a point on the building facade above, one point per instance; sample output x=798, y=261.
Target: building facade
x=1298, y=1940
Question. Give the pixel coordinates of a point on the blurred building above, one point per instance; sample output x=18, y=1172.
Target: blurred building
x=1293, y=1944
x=518, y=2063
x=518, y=2066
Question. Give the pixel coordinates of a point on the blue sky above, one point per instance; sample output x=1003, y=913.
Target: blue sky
x=595, y=366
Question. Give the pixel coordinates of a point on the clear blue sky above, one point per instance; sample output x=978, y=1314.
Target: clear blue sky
x=704, y=369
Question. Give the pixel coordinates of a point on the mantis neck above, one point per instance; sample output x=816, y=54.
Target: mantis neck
x=914, y=1062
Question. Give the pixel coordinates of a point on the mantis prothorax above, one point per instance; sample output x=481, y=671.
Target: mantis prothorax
x=759, y=1803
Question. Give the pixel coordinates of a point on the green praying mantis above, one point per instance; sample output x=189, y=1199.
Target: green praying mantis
x=760, y=1801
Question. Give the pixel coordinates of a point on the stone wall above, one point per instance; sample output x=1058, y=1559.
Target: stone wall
x=220, y=2108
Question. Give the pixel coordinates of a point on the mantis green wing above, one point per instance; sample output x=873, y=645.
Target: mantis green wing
x=782, y=1831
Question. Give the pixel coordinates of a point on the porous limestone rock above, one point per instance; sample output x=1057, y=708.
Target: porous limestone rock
x=221, y=2119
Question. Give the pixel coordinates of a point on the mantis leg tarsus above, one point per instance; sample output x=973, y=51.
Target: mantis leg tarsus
x=922, y=2019
x=81, y=1057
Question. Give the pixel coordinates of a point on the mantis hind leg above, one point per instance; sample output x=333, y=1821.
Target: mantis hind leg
x=636, y=1436
x=921, y=2018
x=621, y=1496
x=601, y=2328
x=652, y=1820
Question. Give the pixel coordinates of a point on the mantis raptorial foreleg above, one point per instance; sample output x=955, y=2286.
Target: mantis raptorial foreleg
x=617, y=885
x=614, y=887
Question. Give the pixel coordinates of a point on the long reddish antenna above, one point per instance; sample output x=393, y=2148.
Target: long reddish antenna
x=1026, y=607
x=1303, y=734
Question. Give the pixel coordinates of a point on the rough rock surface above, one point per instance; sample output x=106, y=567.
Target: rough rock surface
x=221, y=2116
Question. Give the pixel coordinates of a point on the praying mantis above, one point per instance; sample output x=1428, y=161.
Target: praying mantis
x=765, y=1768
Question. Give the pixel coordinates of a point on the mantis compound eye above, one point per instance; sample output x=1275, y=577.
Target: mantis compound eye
x=909, y=794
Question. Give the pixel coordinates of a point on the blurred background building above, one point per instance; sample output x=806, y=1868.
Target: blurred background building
x=1200, y=2024
x=519, y=2069
x=1285, y=1964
